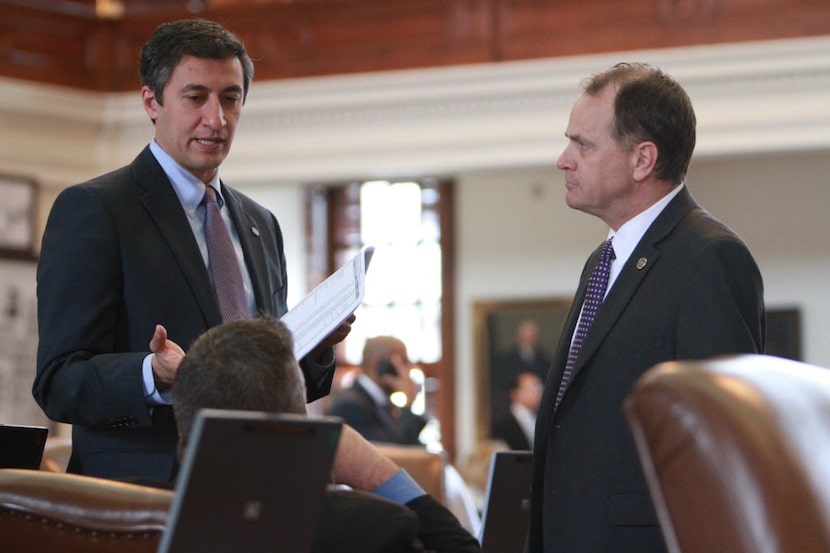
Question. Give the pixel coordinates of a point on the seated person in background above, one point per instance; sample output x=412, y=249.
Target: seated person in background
x=517, y=425
x=366, y=406
x=249, y=365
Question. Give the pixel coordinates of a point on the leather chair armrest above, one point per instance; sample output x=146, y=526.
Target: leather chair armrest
x=44, y=512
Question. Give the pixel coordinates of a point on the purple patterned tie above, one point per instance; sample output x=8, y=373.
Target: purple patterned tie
x=597, y=285
x=227, y=278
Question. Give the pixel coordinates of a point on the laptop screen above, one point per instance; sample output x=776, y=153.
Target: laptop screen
x=505, y=518
x=251, y=482
x=21, y=447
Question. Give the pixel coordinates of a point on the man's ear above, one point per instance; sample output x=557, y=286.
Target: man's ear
x=150, y=103
x=643, y=160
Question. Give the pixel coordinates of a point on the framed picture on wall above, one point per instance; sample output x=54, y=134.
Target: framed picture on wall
x=18, y=343
x=17, y=216
x=511, y=336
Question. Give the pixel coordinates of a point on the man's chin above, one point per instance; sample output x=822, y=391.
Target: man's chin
x=573, y=200
x=206, y=165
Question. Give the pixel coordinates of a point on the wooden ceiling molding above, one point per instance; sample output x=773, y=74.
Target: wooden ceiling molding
x=94, y=44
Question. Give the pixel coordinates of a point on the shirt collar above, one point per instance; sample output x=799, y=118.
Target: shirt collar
x=189, y=189
x=378, y=395
x=629, y=235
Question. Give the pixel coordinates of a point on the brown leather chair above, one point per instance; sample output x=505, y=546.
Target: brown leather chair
x=47, y=512
x=736, y=452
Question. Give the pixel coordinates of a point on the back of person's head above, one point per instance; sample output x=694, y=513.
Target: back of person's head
x=189, y=37
x=651, y=106
x=244, y=365
x=381, y=348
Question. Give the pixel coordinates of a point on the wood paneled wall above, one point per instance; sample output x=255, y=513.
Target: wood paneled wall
x=48, y=42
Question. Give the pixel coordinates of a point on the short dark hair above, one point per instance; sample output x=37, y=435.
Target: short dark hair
x=246, y=365
x=189, y=37
x=516, y=377
x=651, y=106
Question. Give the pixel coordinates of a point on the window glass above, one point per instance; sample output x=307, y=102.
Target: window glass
x=403, y=285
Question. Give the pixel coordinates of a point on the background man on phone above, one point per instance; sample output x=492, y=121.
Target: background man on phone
x=366, y=406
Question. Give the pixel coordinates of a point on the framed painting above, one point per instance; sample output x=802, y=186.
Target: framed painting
x=512, y=336
x=17, y=217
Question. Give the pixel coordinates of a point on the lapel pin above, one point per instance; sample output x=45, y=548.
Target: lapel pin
x=641, y=262
x=255, y=231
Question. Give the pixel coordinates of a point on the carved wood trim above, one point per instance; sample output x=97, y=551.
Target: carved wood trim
x=324, y=37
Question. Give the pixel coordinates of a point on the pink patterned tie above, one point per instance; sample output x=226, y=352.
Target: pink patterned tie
x=597, y=285
x=227, y=278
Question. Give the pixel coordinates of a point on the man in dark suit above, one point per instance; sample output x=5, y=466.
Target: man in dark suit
x=249, y=365
x=125, y=263
x=516, y=425
x=526, y=354
x=682, y=285
x=366, y=405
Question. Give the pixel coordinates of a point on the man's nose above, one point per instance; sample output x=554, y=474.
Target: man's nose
x=564, y=161
x=213, y=114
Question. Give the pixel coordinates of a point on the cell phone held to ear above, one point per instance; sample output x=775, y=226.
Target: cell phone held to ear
x=386, y=368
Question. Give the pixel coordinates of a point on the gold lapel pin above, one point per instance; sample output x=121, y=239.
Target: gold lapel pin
x=641, y=262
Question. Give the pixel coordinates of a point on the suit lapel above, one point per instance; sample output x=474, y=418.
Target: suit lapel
x=560, y=356
x=628, y=281
x=249, y=238
x=163, y=206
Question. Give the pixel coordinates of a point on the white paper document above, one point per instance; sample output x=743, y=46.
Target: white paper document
x=329, y=304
